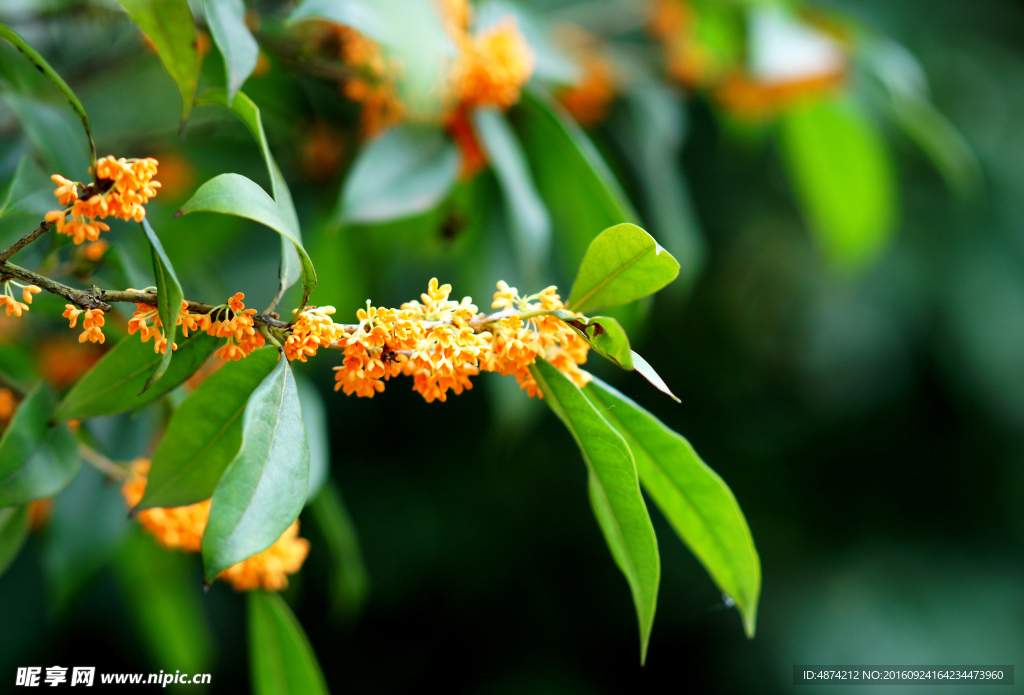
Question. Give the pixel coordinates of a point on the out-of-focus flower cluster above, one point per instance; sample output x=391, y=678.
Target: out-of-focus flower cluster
x=122, y=188
x=490, y=70
x=698, y=55
x=441, y=343
x=182, y=528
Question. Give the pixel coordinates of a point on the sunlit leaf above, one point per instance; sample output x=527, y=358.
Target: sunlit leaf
x=50, y=469
x=27, y=430
x=281, y=659
x=405, y=171
x=205, y=434
x=624, y=263
x=169, y=25
x=349, y=580
x=236, y=43
x=13, y=531
x=644, y=369
x=842, y=173
x=165, y=602
x=114, y=383
x=614, y=491
x=263, y=490
x=694, y=499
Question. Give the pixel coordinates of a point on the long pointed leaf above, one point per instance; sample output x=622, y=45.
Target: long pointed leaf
x=694, y=499
x=50, y=469
x=614, y=492
x=281, y=658
x=169, y=25
x=264, y=488
x=528, y=216
x=243, y=107
x=236, y=43
x=233, y=194
x=168, y=299
x=51, y=74
x=27, y=430
x=113, y=384
x=205, y=434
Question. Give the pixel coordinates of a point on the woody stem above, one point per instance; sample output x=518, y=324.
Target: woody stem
x=24, y=241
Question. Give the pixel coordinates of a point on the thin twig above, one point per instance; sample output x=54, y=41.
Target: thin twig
x=102, y=463
x=21, y=243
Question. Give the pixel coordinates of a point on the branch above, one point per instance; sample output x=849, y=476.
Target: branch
x=21, y=243
x=96, y=298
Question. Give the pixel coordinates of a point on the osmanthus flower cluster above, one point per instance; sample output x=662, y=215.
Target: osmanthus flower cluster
x=441, y=343
x=121, y=188
x=182, y=528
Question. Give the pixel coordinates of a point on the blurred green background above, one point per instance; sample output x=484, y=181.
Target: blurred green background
x=871, y=425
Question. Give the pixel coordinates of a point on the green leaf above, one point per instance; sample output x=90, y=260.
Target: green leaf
x=842, y=173
x=614, y=491
x=27, y=430
x=168, y=299
x=242, y=106
x=624, y=263
x=165, y=603
x=698, y=503
x=50, y=469
x=51, y=74
x=528, y=217
x=405, y=171
x=604, y=335
x=647, y=372
x=233, y=194
x=281, y=658
x=205, y=434
x=263, y=490
x=314, y=417
x=26, y=193
x=349, y=580
x=169, y=25
x=580, y=193
x=13, y=531
x=236, y=43
x=114, y=383
x=358, y=14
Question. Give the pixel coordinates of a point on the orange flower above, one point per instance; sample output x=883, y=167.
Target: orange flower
x=124, y=187
x=182, y=528
x=441, y=345
x=92, y=323
x=240, y=329
x=13, y=306
x=94, y=251
x=8, y=403
x=589, y=99
x=493, y=67
x=312, y=329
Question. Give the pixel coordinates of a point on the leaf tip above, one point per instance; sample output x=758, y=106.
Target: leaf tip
x=206, y=587
x=178, y=214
